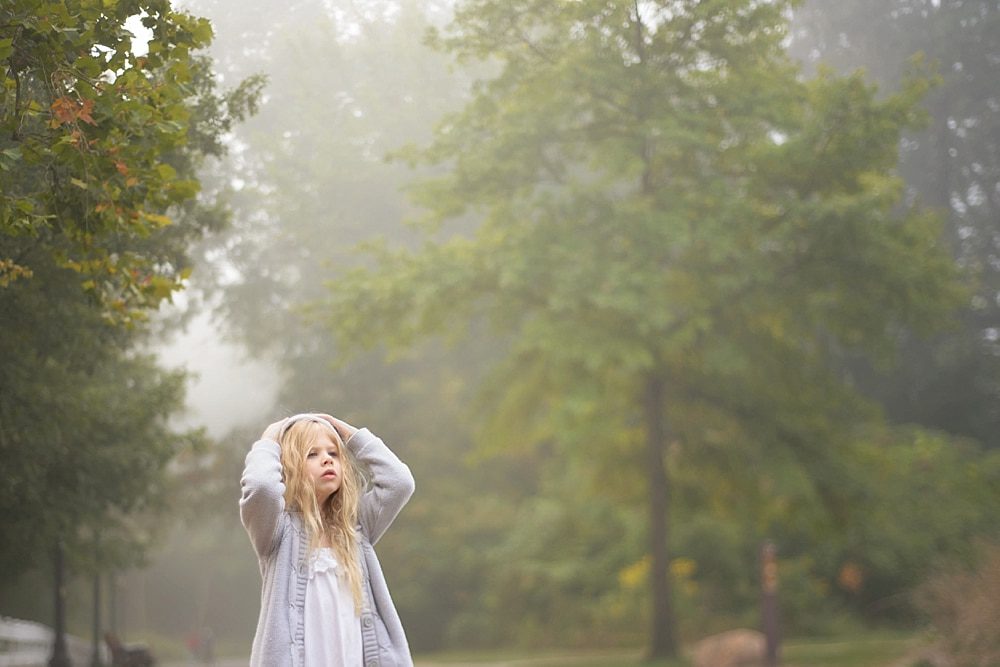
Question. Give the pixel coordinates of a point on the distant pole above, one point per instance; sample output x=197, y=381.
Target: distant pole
x=60, y=656
x=113, y=604
x=95, y=657
x=769, y=602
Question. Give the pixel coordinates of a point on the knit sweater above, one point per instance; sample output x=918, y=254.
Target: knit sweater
x=279, y=538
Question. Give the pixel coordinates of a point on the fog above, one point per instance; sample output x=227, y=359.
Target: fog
x=629, y=313
x=226, y=388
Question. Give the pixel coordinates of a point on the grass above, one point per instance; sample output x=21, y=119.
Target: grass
x=869, y=650
x=865, y=651
x=594, y=658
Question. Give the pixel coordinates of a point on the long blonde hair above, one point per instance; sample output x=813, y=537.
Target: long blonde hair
x=338, y=516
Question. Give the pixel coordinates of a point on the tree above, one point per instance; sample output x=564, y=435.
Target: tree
x=949, y=382
x=100, y=149
x=677, y=232
x=87, y=131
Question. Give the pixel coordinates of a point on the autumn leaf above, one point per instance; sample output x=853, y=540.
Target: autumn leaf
x=64, y=110
x=83, y=113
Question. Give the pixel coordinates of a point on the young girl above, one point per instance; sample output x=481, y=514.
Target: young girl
x=312, y=522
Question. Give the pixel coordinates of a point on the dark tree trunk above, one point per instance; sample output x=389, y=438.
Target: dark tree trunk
x=663, y=636
x=60, y=656
x=113, y=605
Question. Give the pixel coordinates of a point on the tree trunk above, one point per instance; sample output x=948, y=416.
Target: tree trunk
x=663, y=636
x=60, y=656
x=113, y=605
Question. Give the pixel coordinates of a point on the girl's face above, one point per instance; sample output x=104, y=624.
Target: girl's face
x=325, y=467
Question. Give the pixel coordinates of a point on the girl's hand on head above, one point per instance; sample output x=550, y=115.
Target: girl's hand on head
x=273, y=431
x=344, y=429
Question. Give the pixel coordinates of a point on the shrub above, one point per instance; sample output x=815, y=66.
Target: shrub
x=964, y=605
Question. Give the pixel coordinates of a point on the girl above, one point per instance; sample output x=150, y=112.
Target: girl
x=312, y=522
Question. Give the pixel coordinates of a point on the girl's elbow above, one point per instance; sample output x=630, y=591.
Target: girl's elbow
x=398, y=491
x=407, y=484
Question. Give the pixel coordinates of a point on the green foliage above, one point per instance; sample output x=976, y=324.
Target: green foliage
x=963, y=603
x=947, y=382
x=83, y=428
x=773, y=238
x=88, y=130
x=101, y=150
x=907, y=526
x=660, y=195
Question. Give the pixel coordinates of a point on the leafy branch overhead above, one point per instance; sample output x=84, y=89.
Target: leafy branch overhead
x=91, y=135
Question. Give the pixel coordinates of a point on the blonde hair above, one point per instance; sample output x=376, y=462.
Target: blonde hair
x=338, y=516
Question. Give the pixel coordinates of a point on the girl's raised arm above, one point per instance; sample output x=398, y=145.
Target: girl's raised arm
x=391, y=484
x=263, y=494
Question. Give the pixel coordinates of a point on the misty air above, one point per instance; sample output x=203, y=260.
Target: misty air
x=484, y=333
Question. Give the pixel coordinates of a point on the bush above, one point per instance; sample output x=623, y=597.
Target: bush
x=964, y=605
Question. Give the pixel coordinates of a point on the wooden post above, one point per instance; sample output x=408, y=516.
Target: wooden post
x=769, y=603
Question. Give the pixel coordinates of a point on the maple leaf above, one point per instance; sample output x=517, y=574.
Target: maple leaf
x=67, y=110
x=64, y=109
x=83, y=113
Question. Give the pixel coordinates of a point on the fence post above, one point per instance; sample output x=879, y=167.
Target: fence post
x=769, y=602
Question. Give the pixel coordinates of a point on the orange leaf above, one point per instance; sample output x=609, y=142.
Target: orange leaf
x=84, y=112
x=64, y=109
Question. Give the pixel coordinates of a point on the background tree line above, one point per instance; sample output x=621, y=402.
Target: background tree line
x=663, y=272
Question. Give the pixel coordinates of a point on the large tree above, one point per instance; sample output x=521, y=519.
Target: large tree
x=100, y=147
x=676, y=232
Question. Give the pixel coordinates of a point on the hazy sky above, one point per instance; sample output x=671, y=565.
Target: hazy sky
x=228, y=388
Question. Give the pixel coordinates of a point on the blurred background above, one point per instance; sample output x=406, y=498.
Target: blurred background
x=635, y=289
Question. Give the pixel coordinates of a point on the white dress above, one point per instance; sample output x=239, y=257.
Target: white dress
x=332, y=628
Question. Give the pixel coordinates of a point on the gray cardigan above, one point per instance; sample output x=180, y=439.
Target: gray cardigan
x=281, y=543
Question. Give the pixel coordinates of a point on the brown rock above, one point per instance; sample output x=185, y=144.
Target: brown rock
x=735, y=648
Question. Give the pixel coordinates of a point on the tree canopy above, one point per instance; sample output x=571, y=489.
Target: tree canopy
x=531, y=523
x=101, y=140
x=91, y=131
x=677, y=231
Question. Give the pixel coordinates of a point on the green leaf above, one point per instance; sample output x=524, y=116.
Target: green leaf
x=166, y=172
